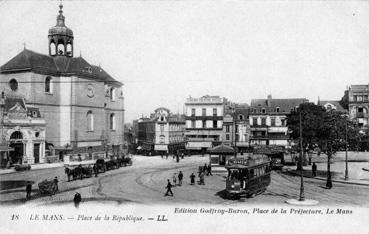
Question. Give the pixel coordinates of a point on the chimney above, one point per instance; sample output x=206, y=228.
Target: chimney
x=269, y=101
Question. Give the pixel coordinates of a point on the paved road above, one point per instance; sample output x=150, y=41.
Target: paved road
x=145, y=182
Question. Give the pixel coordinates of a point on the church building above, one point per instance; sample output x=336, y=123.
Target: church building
x=81, y=104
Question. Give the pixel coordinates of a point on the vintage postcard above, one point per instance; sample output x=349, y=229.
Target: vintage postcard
x=165, y=116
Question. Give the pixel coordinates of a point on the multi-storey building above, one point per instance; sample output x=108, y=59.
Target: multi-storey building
x=358, y=101
x=236, y=126
x=162, y=133
x=268, y=120
x=204, y=122
x=23, y=131
x=81, y=103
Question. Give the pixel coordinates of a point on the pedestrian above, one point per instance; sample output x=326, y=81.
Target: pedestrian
x=175, y=179
x=182, y=155
x=313, y=169
x=94, y=168
x=79, y=158
x=177, y=158
x=77, y=199
x=56, y=183
x=209, y=170
x=180, y=178
x=28, y=190
x=162, y=155
x=169, y=189
x=192, y=177
x=202, y=178
x=205, y=168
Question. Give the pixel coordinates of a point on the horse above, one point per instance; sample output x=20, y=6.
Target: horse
x=70, y=172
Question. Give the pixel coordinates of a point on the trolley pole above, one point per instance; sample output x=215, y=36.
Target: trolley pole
x=302, y=195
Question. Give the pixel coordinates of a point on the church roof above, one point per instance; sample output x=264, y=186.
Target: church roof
x=28, y=60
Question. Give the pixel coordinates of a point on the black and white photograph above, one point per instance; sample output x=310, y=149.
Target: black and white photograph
x=184, y=116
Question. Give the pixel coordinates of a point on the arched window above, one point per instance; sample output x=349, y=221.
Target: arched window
x=277, y=109
x=16, y=135
x=61, y=49
x=13, y=84
x=52, y=48
x=112, y=93
x=90, y=121
x=48, y=85
x=69, y=49
x=112, y=122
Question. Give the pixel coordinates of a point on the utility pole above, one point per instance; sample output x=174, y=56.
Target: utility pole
x=302, y=195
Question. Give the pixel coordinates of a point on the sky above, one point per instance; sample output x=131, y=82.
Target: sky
x=165, y=51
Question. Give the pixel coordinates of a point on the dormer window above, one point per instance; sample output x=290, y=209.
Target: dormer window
x=263, y=110
x=277, y=109
x=240, y=117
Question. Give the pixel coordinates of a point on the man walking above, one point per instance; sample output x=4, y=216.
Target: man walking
x=169, y=189
x=209, y=170
x=313, y=169
x=180, y=178
x=28, y=190
x=202, y=178
x=192, y=177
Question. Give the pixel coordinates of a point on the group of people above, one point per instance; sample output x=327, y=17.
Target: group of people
x=205, y=170
x=175, y=156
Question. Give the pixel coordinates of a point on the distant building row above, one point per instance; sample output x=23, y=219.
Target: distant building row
x=211, y=120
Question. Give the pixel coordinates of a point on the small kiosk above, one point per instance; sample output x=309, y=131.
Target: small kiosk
x=219, y=155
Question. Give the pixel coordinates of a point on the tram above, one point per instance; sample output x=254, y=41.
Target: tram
x=248, y=176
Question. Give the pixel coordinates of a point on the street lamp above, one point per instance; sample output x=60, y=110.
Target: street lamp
x=346, y=170
x=302, y=195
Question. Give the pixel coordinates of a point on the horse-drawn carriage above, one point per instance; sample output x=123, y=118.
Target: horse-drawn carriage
x=78, y=172
x=47, y=187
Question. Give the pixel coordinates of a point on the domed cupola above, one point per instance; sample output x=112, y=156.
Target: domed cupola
x=60, y=37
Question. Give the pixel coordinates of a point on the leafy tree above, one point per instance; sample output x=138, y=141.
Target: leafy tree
x=311, y=117
x=324, y=129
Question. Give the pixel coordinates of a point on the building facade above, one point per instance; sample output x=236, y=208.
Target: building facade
x=83, y=106
x=204, y=122
x=358, y=101
x=268, y=120
x=22, y=130
x=236, y=127
x=162, y=133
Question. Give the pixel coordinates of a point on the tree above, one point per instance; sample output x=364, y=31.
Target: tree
x=323, y=129
x=311, y=117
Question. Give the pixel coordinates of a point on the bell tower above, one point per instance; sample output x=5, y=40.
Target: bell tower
x=60, y=37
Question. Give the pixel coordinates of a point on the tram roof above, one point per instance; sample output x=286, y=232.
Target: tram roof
x=252, y=160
